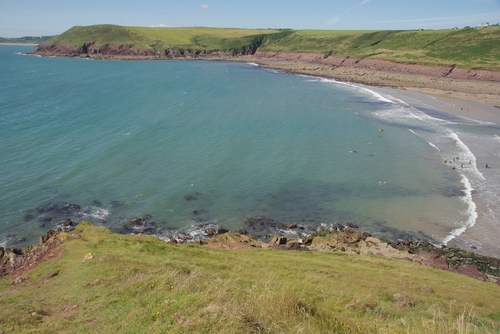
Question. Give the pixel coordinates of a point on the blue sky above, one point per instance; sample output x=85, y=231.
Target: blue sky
x=51, y=17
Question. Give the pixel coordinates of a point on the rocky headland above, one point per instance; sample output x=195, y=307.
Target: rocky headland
x=475, y=84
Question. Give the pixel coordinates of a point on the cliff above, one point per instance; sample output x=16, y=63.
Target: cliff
x=92, y=280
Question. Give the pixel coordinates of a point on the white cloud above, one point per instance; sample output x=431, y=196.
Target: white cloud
x=204, y=6
x=337, y=18
x=334, y=20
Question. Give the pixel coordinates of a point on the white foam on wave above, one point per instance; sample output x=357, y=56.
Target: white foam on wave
x=96, y=213
x=467, y=155
x=373, y=93
x=3, y=244
x=471, y=212
x=428, y=142
x=253, y=64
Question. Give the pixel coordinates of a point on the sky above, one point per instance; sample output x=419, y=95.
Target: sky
x=20, y=18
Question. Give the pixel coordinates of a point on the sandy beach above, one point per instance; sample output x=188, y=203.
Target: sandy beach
x=473, y=98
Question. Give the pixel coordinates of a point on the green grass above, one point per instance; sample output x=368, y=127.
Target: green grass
x=332, y=32
x=144, y=285
x=179, y=36
x=464, y=48
x=101, y=35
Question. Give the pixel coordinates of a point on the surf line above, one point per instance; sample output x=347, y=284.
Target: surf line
x=469, y=156
x=471, y=210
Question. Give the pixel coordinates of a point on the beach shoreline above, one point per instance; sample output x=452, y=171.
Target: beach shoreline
x=471, y=98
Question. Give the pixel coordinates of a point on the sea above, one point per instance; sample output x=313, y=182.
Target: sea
x=175, y=147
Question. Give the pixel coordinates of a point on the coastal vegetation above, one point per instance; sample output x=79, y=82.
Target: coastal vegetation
x=463, y=48
x=94, y=279
x=26, y=39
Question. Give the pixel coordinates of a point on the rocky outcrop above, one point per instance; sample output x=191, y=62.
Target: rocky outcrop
x=231, y=240
x=352, y=241
x=15, y=262
x=384, y=66
x=113, y=51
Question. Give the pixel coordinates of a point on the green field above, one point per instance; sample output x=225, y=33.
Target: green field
x=312, y=32
x=464, y=48
x=184, y=36
x=140, y=284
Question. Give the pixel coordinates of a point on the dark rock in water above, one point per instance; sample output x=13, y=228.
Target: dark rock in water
x=29, y=216
x=137, y=222
x=288, y=226
x=351, y=225
x=97, y=203
x=241, y=232
x=146, y=225
x=222, y=231
x=192, y=197
x=260, y=221
x=68, y=209
x=67, y=223
x=45, y=220
x=116, y=204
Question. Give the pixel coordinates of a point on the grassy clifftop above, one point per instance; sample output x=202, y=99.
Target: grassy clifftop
x=161, y=39
x=464, y=48
x=136, y=284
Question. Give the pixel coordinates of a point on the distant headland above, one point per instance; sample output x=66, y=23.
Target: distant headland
x=457, y=63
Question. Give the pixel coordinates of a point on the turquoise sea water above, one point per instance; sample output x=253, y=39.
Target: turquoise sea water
x=190, y=144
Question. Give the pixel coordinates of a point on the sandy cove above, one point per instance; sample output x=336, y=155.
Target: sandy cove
x=475, y=85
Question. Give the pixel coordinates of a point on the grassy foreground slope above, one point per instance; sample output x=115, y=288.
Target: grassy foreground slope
x=464, y=48
x=140, y=284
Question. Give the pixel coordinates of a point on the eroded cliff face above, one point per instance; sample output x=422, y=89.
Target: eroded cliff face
x=112, y=51
x=90, y=50
x=370, y=64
